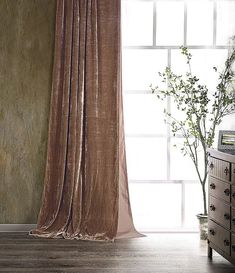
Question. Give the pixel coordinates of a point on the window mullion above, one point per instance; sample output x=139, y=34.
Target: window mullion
x=154, y=22
x=214, y=23
x=185, y=23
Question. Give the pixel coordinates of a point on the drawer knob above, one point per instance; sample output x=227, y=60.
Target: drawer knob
x=227, y=192
x=212, y=186
x=212, y=207
x=226, y=242
x=226, y=216
x=212, y=232
x=226, y=171
x=211, y=166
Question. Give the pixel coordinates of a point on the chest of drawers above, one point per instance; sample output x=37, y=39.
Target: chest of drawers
x=221, y=204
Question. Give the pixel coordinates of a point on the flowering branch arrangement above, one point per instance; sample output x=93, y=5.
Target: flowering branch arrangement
x=203, y=110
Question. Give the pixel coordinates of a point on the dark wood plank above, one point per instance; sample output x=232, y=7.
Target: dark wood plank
x=160, y=253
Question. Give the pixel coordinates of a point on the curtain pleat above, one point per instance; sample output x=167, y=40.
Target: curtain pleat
x=85, y=188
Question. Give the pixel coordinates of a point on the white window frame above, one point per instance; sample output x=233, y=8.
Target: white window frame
x=168, y=135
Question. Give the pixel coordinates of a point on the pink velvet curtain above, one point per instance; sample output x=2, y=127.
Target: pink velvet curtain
x=85, y=189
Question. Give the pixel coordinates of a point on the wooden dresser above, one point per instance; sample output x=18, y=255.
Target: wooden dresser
x=221, y=203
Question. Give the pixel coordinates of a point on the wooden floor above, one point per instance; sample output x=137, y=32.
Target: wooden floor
x=160, y=253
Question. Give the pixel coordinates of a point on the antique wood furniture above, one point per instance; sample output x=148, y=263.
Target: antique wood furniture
x=221, y=216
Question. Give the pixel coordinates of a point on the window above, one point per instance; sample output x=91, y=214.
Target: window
x=165, y=193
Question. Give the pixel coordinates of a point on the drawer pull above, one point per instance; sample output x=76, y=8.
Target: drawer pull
x=226, y=171
x=233, y=170
x=226, y=242
x=233, y=220
x=234, y=195
x=211, y=166
x=212, y=186
x=227, y=192
x=212, y=207
x=212, y=232
x=233, y=247
x=226, y=216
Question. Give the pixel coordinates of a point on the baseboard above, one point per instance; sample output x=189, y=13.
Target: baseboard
x=17, y=227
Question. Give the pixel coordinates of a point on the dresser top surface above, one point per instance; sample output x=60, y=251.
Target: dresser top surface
x=221, y=155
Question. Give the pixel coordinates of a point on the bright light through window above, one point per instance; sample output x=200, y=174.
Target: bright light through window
x=165, y=194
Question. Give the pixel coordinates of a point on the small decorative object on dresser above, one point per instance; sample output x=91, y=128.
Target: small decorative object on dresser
x=221, y=217
x=226, y=142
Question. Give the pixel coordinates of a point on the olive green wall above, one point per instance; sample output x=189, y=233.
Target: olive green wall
x=26, y=53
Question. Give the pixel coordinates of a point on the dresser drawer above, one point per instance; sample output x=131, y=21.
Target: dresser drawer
x=219, y=168
x=219, y=236
x=233, y=246
x=233, y=173
x=233, y=220
x=219, y=211
x=233, y=196
x=220, y=189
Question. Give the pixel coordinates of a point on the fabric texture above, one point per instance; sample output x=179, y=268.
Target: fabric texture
x=85, y=189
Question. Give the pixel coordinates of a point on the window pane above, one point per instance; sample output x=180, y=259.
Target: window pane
x=182, y=167
x=193, y=204
x=152, y=210
x=200, y=22
x=141, y=66
x=170, y=23
x=146, y=158
x=203, y=61
x=225, y=21
x=144, y=114
x=137, y=23
x=228, y=123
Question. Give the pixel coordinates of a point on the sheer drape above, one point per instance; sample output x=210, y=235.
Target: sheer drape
x=86, y=192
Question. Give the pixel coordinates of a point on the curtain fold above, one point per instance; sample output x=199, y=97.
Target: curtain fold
x=85, y=188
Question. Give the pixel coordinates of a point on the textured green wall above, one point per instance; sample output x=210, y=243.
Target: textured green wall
x=26, y=54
